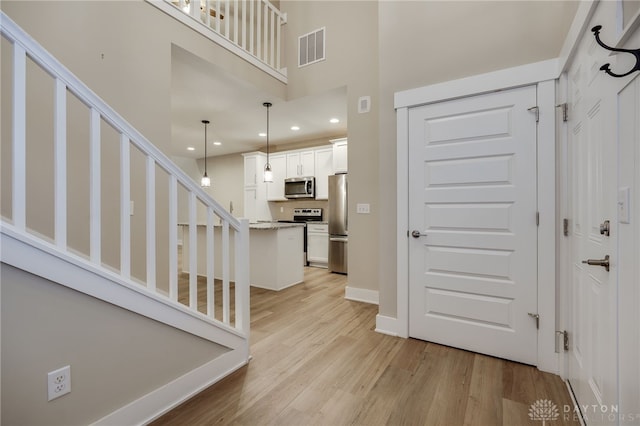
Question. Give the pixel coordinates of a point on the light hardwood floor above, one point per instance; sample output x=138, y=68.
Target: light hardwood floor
x=318, y=361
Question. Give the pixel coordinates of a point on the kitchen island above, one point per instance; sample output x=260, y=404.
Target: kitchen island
x=276, y=254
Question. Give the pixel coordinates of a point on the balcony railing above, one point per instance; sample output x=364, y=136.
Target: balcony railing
x=252, y=29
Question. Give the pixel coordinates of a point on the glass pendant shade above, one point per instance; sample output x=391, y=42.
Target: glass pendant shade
x=268, y=174
x=205, y=182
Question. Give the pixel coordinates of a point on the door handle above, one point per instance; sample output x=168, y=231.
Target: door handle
x=417, y=234
x=598, y=262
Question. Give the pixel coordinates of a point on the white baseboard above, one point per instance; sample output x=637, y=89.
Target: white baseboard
x=160, y=401
x=361, y=295
x=387, y=325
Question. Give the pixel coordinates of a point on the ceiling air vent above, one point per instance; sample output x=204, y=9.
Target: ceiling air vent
x=311, y=48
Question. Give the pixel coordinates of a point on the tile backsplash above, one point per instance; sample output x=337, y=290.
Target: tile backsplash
x=288, y=206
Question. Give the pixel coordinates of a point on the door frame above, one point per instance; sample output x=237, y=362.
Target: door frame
x=543, y=75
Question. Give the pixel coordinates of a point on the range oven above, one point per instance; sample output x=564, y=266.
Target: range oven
x=303, y=215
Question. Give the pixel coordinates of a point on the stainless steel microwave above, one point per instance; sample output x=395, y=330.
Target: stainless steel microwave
x=300, y=187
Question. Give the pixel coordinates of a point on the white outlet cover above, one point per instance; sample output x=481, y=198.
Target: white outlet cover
x=363, y=208
x=58, y=382
x=364, y=104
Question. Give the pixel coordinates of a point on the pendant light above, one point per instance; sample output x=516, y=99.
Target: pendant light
x=205, y=182
x=268, y=174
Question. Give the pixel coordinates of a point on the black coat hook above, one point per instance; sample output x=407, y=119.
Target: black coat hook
x=605, y=67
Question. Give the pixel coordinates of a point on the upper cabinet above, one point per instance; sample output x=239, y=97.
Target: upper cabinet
x=275, y=190
x=255, y=189
x=340, y=155
x=319, y=162
x=300, y=163
x=323, y=168
x=250, y=168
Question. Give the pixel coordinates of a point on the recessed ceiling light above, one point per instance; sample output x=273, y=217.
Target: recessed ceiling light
x=334, y=120
x=190, y=148
x=262, y=135
x=295, y=128
x=216, y=143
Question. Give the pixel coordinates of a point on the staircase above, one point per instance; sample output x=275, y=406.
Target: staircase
x=76, y=226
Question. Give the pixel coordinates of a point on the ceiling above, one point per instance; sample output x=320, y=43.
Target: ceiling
x=200, y=90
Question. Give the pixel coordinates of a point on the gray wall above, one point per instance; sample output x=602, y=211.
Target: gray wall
x=131, y=70
x=377, y=48
x=122, y=51
x=116, y=356
x=373, y=48
x=446, y=41
x=227, y=180
x=352, y=61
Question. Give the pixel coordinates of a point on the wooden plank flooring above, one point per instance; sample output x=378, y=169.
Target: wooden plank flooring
x=318, y=361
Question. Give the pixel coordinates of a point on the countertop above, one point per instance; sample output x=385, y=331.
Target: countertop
x=259, y=225
x=274, y=225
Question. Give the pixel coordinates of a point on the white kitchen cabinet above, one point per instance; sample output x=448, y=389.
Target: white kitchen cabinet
x=318, y=244
x=323, y=168
x=275, y=190
x=254, y=168
x=256, y=206
x=300, y=163
x=339, y=155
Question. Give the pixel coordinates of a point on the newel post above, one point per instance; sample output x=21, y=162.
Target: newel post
x=242, y=277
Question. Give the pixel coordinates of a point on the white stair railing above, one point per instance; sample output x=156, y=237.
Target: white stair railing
x=252, y=29
x=16, y=226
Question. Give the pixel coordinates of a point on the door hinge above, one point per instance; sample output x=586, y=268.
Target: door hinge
x=537, y=218
x=565, y=227
x=565, y=340
x=537, y=318
x=565, y=111
x=536, y=111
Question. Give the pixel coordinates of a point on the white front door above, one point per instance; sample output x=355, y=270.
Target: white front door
x=472, y=193
x=592, y=151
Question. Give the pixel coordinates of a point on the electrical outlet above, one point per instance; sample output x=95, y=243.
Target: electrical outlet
x=363, y=208
x=59, y=382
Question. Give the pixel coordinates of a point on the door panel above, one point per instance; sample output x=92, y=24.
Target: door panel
x=592, y=152
x=473, y=277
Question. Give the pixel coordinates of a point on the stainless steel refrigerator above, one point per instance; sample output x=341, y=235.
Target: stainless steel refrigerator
x=338, y=223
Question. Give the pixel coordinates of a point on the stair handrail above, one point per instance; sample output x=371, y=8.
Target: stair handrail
x=24, y=45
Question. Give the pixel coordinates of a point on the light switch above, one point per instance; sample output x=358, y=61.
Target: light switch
x=363, y=208
x=364, y=104
x=131, y=208
x=624, y=195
